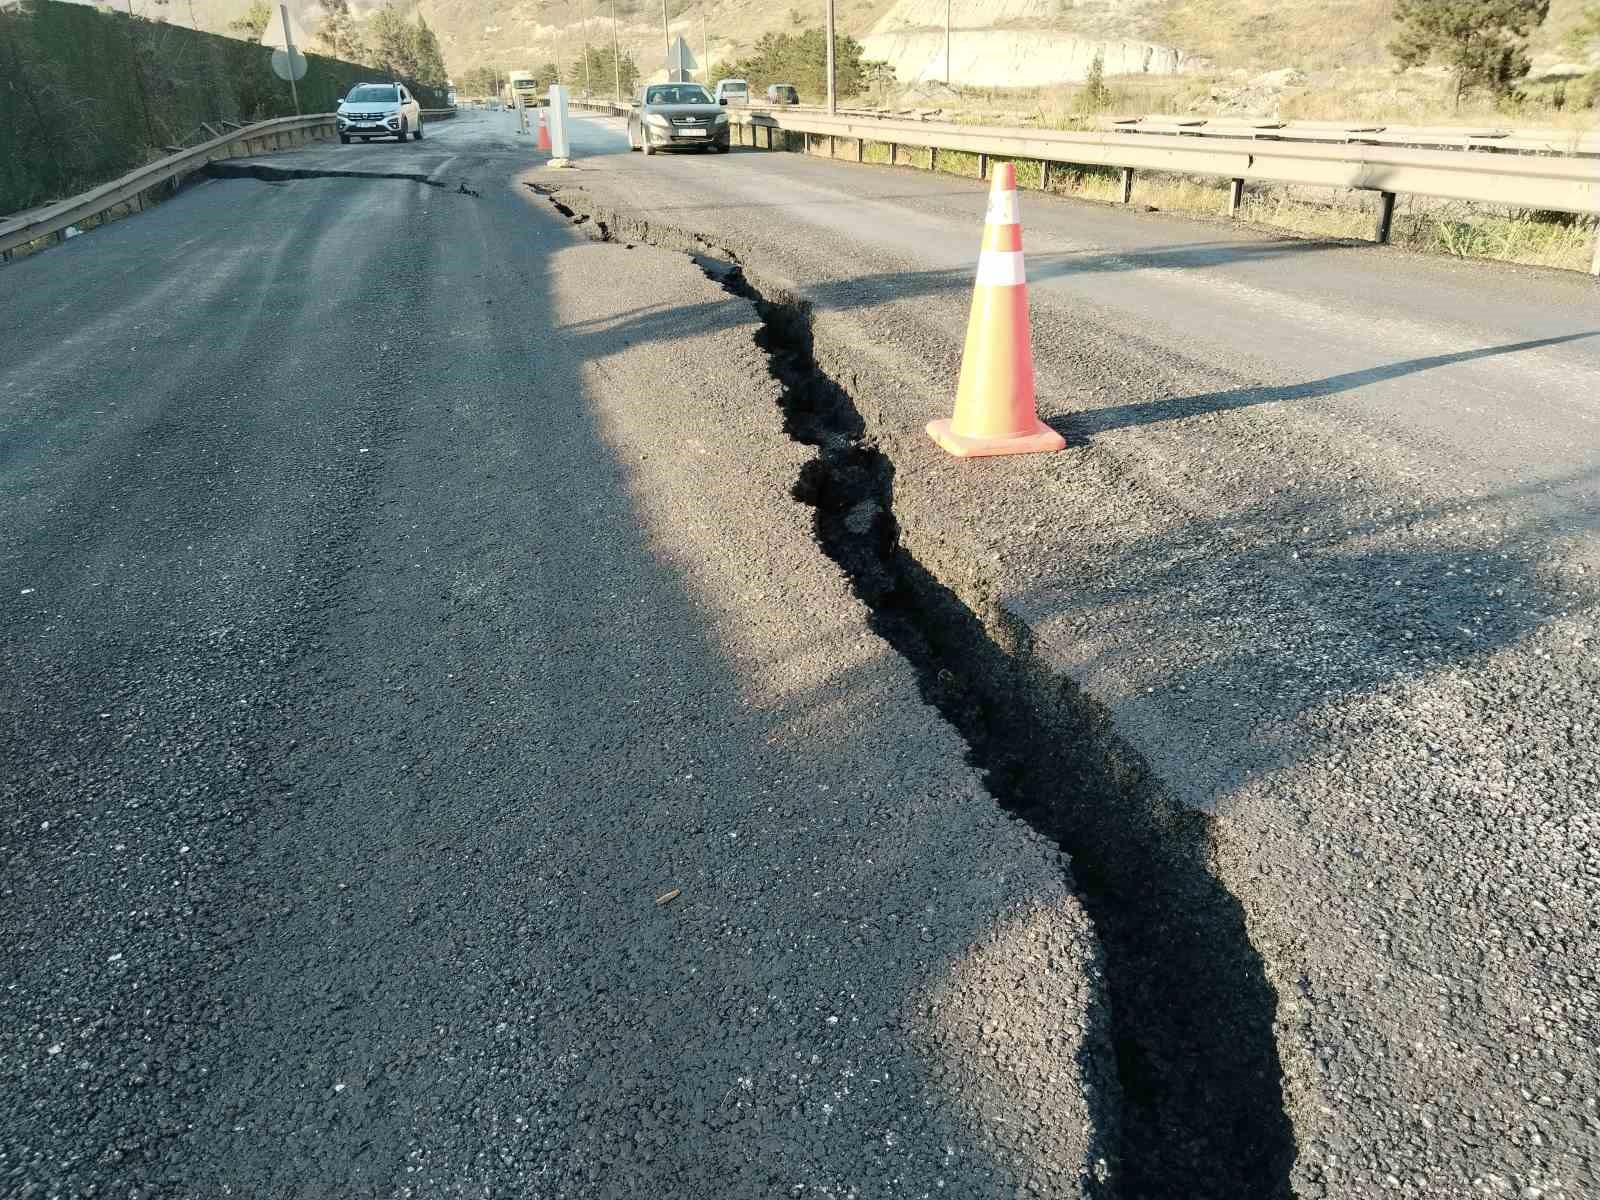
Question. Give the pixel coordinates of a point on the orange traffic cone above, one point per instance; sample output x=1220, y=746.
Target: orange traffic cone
x=544, y=132
x=995, y=411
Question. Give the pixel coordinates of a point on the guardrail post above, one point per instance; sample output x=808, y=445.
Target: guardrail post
x=1127, y=185
x=807, y=139
x=894, y=149
x=1594, y=263
x=1044, y=175
x=861, y=149
x=1235, y=196
x=933, y=158
x=1385, y=218
x=983, y=166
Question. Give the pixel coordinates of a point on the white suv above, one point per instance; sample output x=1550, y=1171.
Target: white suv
x=379, y=110
x=732, y=91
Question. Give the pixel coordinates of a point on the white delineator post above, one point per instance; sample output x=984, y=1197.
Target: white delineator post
x=560, y=146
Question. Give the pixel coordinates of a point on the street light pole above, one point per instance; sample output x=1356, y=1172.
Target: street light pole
x=616, y=50
x=833, y=96
x=947, y=43
x=288, y=51
x=666, y=34
x=584, y=9
x=705, y=43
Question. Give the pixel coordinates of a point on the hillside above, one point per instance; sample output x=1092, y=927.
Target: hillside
x=995, y=43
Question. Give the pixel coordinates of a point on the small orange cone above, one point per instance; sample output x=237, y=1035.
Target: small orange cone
x=995, y=412
x=544, y=132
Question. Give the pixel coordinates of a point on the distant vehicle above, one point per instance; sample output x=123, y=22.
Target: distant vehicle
x=783, y=93
x=676, y=115
x=372, y=110
x=733, y=91
x=522, y=90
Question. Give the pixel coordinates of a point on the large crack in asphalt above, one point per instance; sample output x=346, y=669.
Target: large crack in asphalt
x=1192, y=1020
x=227, y=169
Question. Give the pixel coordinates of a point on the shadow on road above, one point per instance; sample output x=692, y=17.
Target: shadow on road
x=1080, y=426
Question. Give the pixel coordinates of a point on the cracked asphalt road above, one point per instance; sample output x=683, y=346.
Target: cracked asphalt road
x=1324, y=549
x=388, y=633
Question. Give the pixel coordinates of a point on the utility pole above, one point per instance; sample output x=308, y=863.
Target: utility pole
x=833, y=95
x=288, y=52
x=705, y=44
x=616, y=50
x=947, y=43
x=584, y=9
x=666, y=34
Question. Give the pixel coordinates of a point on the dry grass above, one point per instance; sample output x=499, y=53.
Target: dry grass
x=1411, y=98
x=1535, y=239
x=1268, y=33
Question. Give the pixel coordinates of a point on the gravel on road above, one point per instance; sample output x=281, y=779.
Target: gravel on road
x=436, y=759
x=1319, y=562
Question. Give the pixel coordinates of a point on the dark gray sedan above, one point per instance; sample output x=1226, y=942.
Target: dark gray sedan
x=675, y=116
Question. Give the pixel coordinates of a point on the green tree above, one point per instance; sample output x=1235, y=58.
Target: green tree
x=1096, y=96
x=879, y=77
x=545, y=74
x=1484, y=42
x=1584, y=40
x=802, y=59
x=602, y=71
x=427, y=58
x=339, y=32
x=254, y=21
x=480, y=81
x=394, y=41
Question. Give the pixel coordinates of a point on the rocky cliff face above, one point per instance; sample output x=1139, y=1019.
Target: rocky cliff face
x=1021, y=43
x=1016, y=58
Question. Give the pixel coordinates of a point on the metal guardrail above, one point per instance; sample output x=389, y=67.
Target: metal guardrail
x=1535, y=140
x=1426, y=137
x=277, y=134
x=1559, y=182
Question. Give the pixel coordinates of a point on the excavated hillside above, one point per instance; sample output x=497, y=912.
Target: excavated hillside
x=994, y=43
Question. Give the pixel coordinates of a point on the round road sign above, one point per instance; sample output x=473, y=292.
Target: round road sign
x=286, y=67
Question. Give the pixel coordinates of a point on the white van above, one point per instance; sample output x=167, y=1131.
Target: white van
x=732, y=91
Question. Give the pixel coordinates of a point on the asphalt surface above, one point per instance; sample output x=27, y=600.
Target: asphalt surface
x=1323, y=552
x=436, y=759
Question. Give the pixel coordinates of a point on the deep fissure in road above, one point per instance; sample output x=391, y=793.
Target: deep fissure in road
x=1192, y=1012
x=225, y=169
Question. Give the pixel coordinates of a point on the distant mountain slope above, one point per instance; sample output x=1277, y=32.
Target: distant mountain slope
x=994, y=42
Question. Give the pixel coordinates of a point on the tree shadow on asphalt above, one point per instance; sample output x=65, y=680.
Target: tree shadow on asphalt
x=859, y=294
x=450, y=947
x=1082, y=426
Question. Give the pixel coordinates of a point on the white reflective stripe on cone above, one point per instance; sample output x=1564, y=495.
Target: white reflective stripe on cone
x=1001, y=268
x=1003, y=210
